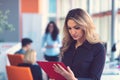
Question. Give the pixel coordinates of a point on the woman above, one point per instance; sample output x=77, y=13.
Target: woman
x=51, y=42
x=29, y=61
x=82, y=51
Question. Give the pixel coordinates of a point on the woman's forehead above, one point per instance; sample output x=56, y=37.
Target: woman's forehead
x=74, y=23
x=71, y=22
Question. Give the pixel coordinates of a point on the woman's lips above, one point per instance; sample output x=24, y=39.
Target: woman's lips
x=74, y=36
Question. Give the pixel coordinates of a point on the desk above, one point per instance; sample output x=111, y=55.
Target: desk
x=110, y=77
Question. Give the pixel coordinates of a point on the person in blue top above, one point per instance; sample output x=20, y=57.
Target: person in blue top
x=51, y=42
x=26, y=45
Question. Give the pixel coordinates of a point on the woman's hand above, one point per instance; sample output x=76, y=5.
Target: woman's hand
x=52, y=46
x=67, y=74
x=49, y=46
x=51, y=79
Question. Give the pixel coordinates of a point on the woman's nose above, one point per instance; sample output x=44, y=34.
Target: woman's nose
x=73, y=32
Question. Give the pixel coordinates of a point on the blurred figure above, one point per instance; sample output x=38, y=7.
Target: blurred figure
x=116, y=48
x=51, y=42
x=29, y=61
x=117, y=51
x=113, y=49
x=26, y=45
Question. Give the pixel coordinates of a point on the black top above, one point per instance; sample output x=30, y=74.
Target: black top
x=35, y=69
x=86, y=61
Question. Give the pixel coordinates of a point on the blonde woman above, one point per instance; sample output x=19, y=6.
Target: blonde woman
x=29, y=61
x=82, y=50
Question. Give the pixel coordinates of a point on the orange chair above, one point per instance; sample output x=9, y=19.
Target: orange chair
x=18, y=73
x=15, y=59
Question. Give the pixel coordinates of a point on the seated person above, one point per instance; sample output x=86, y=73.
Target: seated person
x=29, y=61
x=26, y=45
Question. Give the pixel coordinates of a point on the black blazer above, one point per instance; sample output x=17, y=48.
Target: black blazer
x=35, y=69
x=87, y=61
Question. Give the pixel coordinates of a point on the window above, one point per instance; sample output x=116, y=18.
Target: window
x=52, y=6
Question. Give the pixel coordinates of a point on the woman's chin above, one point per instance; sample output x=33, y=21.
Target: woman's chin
x=76, y=38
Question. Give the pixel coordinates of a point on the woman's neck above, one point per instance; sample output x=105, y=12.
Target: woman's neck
x=79, y=43
x=50, y=32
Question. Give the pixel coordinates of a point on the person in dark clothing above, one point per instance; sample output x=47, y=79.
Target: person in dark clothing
x=83, y=52
x=29, y=61
x=113, y=49
x=26, y=45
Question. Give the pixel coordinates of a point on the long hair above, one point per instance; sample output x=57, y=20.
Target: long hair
x=55, y=30
x=30, y=56
x=86, y=24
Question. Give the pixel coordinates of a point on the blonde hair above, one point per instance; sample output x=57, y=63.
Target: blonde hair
x=82, y=18
x=30, y=56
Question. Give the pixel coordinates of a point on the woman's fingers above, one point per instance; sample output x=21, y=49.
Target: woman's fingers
x=62, y=69
x=59, y=69
x=51, y=79
x=68, y=74
x=56, y=68
x=68, y=68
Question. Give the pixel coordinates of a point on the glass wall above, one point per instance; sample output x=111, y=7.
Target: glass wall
x=52, y=10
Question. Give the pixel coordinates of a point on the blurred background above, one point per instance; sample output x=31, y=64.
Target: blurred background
x=29, y=18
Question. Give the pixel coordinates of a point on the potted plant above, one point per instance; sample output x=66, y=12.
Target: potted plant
x=4, y=25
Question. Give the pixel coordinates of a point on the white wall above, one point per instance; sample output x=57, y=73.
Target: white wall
x=32, y=28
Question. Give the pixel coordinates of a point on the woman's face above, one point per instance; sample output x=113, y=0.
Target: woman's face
x=51, y=28
x=74, y=29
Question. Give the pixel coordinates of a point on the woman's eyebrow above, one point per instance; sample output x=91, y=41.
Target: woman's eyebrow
x=68, y=27
x=76, y=26
x=73, y=26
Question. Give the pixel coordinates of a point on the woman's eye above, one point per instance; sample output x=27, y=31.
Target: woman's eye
x=69, y=28
x=77, y=27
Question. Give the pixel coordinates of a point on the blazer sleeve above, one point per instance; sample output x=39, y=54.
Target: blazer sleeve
x=97, y=65
x=84, y=79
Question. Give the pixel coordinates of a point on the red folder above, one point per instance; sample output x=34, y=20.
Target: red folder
x=48, y=68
